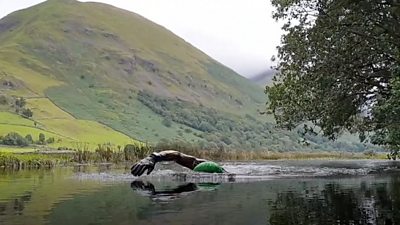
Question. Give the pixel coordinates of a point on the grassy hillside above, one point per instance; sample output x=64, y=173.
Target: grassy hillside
x=95, y=73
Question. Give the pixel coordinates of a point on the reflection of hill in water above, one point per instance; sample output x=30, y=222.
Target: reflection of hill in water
x=34, y=193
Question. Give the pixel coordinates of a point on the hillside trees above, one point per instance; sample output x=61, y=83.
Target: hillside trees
x=29, y=138
x=14, y=139
x=42, y=139
x=339, y=67
x=20, y=104
x=228, y=131
x=27, y=113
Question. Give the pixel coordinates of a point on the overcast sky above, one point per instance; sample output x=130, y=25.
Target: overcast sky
x=239, y=33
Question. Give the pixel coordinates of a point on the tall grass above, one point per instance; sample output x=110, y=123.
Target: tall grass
x=232, y=155
x=24, y=161
x=245, y=155
x=107, y=153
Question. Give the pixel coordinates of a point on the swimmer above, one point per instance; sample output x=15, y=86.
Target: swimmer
x=188, y=161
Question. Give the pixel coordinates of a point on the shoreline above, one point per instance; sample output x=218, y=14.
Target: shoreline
x=50, y=159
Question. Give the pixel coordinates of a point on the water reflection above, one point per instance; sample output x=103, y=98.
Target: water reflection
x=58, y=197
x=334, y=203
x=169, y=193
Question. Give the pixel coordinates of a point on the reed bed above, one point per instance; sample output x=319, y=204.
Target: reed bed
x=131, y=153
x=241, y=155
x=25, y=161
x=110, y=154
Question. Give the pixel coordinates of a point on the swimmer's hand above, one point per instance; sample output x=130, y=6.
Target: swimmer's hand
x=140, y=167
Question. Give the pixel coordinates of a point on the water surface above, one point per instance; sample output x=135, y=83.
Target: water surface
x=278, y=192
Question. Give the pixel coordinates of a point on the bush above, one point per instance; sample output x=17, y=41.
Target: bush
x=188, y=131
x=27, y=113
x=167, y=122
x=20, y=102
x=50, y=140
x=29, y=138
x=205, y=127
x=3, y=100
x=42, y=139
x=15, y=139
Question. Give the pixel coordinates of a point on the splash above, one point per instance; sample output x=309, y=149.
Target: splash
x=255, y=171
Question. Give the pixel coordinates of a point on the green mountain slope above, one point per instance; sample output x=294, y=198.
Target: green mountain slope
x=94, y=63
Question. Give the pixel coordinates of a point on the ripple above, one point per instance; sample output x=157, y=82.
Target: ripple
x=255, y=171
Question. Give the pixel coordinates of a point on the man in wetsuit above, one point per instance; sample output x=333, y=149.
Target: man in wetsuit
x=150, y=161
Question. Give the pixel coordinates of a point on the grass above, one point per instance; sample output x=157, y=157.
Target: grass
x=240, y=155
x=126, y=115
x=12, y=149
x=14, y=119
x=24, y=130
x=268, y=155
x=89, y=132
x=23, y=158
x=22, y=161
x=67, y=130
x=35, y=83
x=43, y=109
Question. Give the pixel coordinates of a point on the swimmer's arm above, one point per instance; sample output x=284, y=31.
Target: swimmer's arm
x=149, y=162
x=187, y=161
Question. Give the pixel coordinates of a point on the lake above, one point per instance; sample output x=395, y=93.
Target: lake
x=274, y=192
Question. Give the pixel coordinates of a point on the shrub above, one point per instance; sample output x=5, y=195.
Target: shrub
x=50, y=140
x=29, y=138
x=20, y=102
x=167, y=122
x=3, y=100
x=27, y=113
x=15, y=139
x=187, y=130
x=42, y=139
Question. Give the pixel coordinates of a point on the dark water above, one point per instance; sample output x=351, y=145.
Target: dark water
x=280, y=192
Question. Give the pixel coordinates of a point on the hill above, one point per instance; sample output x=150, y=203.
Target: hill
x=264, y=78
x=94, y=73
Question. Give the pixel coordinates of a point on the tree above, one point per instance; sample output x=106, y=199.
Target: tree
x=339, y=62
x=50, y=140
x=167, y=122
x=20, y=102
x=42, y=139
x=29, y=138
x=15, y=139
x=27, y=113
x=387, y=131
x=3, y=100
